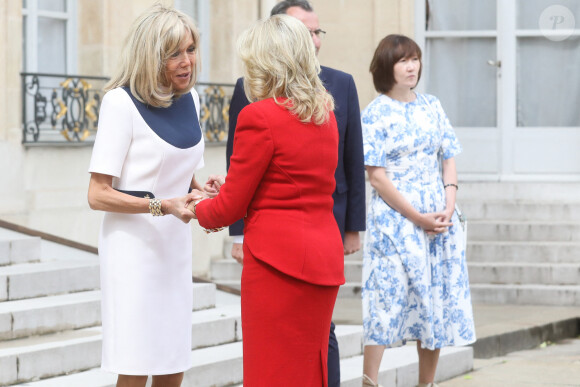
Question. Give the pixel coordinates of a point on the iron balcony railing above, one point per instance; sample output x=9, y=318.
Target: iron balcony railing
x=62, y=109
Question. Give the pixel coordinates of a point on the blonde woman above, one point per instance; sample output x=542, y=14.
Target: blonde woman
x=148, y=146
x=281, y=177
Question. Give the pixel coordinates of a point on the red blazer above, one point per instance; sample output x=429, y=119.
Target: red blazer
x=281, y=177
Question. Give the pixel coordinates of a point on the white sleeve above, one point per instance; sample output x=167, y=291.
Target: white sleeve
x=196, y=101
x=114, y=134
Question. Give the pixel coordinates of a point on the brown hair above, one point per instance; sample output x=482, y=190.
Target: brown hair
x=389, y=51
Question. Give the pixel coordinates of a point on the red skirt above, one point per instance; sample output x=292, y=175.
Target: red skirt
x=285, y=327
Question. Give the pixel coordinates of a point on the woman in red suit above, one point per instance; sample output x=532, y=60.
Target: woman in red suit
x=281, y=178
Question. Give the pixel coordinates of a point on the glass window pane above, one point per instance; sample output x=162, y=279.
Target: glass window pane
x=188, y=7
x=51, y=45
x=444, y=15
x=547, y=79
x=529, y=12
x=460, y=77
x=52, y=5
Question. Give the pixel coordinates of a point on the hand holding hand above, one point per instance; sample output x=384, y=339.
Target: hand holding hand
x=194, y=197
x=434, y=222
x=213, y=184
x=178, y=207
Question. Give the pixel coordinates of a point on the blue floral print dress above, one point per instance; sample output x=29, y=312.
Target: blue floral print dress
x=415, y=285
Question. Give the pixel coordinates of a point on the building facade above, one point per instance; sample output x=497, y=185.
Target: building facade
x=503, y=69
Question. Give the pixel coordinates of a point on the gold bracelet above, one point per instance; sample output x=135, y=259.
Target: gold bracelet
x=155, y=207
x=195, y=203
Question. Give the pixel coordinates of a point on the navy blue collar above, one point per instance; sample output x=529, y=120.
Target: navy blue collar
x=177, y=124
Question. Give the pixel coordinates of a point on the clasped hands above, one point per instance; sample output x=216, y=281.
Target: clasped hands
x=435, y=222
x=210, y=190
x=182, y=207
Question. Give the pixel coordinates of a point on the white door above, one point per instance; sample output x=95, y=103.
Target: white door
x=507, y=74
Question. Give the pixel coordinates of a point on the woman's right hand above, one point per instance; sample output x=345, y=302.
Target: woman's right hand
x=434, y=222
x=178, y=206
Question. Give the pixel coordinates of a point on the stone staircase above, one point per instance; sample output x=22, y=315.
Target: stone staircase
x=523, y=245
x=50, y=333
x=50, y=314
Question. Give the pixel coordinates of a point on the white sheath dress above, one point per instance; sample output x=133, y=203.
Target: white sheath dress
x=146, y=268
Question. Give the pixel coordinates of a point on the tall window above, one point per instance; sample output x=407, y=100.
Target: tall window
x=49, y=36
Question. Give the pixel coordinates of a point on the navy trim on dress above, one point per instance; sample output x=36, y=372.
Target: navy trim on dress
x=177, y=124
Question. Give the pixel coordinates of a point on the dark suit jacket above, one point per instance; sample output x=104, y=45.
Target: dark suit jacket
x=349, y=196
x=286, y=191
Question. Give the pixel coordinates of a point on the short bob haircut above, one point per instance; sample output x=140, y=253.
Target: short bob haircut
x=280, y=62
x=389, y=51
x=154, y=37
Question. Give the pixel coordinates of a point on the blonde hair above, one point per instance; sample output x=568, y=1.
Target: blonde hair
x=280, y=61
x=154, y=37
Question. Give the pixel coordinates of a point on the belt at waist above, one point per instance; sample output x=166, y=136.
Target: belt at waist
x=139, y=194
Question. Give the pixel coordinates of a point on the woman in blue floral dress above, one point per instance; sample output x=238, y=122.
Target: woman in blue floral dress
x=415, y=283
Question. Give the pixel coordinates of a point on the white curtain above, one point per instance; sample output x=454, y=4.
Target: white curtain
x=548, y=71
x=457, y=71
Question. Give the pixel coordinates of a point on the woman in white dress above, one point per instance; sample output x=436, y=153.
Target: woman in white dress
x=415, y=284
x=149, y=145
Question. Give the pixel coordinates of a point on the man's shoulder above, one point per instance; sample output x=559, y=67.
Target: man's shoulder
x=330, y=74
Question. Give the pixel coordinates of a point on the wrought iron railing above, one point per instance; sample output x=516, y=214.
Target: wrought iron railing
x=214, y=110
x=64, y=109
x=59, y=109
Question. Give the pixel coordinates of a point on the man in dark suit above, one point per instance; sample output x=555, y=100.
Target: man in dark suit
x=349, y=194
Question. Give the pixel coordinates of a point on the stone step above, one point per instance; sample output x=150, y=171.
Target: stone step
x=553, y=295
x=44, y=315
x=523, y=251
x=353, y=271
x=523, y=231
x=50, y=355
x=72, y=351
x=350, y=289
x=563, y=192
x=19, y=249
x=520, y=210
x=224, y=269
x=31, y=280
x=204, y=295
x=399, y=366
x=219, y=365
x=524, y=273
